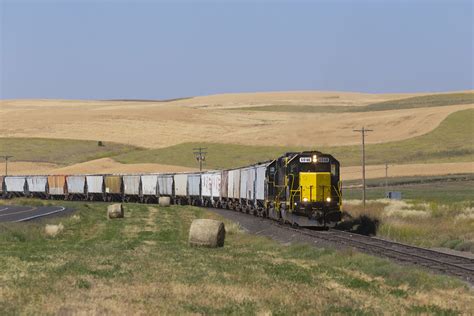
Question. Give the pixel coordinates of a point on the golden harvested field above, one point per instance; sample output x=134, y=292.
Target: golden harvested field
x=97, y=166
x=216, y=119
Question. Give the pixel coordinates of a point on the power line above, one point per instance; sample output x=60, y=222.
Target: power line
x=363, y=131
x=200, y=156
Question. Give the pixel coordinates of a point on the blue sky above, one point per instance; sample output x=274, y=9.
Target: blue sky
x=157, y=50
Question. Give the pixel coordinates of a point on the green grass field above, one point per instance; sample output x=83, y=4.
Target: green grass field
x=407, y=103
x=59, y=151
x=451, y=141
x=143, y=265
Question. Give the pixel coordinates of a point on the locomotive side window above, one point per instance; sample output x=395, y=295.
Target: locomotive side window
x=293, y=168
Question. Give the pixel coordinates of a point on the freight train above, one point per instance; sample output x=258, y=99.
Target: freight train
x=302, y=188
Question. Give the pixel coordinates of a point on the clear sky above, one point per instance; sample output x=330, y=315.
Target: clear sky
x=156, y=49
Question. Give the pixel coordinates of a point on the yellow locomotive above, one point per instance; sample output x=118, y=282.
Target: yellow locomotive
x=304, y=189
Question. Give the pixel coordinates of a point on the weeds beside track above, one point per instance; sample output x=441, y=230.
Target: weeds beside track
x=459, y=266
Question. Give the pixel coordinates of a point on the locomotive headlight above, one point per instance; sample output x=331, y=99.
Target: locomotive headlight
x=305, y=199
x=328, y=199
x=315, y=158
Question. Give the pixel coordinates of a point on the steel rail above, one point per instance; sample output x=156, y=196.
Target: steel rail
x=462, y=266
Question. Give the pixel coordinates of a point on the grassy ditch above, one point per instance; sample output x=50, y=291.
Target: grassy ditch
x=451, y=141
x=59, y=151
x=142, y=264
x=426, y=224
x=438, y=214
x=407, y=103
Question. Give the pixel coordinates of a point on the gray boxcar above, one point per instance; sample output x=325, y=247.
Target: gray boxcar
x=194, y=181
x=15, y=184
x=181, y=184
x=95, y=184
x=131, y=185
x=260, y=182
x=37, y=184
x=234, y=184
x=76, y=184
x=247, y=177
x=149, y=184
x=165, y=184
x=211, y=184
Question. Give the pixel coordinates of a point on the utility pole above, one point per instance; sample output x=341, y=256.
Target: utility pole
x=363, y=131
x=386, y=179
x=200, y=156
x=6, y=157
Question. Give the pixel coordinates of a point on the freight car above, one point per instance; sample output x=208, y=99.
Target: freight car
x=298, y=188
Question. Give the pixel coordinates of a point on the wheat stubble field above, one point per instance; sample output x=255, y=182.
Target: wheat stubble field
x=138, y=134
x=208, y=119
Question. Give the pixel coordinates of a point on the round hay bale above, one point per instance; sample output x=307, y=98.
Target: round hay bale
x=207, y=233
x=115, y=211
x=164, y=201
x=53, y=230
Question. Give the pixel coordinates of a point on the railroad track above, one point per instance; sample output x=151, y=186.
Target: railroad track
x=442, y=262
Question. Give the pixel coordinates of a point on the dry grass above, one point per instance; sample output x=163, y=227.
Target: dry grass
x=427, y=224
x=97, y=166
x=161, y=124
x=93, y=267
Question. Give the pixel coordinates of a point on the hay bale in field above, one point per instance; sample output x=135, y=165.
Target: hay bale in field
x=115, y=211
x=53, y=230
x=207, y=233
x=164, y=201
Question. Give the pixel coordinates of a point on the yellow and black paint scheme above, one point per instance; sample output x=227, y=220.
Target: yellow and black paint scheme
x=305, y=189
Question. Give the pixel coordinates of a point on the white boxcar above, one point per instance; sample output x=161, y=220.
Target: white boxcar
x=233, y=184
x=131, y=185
x=76, y=184
x=37, y=183
x=230, y=184
x=194, y=180
x=211, y=184
x=149, y=184
x=181, y=184
x=14, y=184
x=260, y=182
x=247, y=178
x=165, y=184
x=95, y=184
